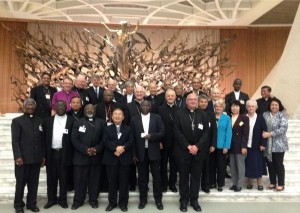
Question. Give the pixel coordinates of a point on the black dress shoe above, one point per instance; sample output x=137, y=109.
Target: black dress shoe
x=142, y=205
x=74, y=207
x=232, y=187
x=110, y=207
x=173, y=189
x=159, y=205
x=220, y=188
x=19, y=211
x=212, y=186
x=124, y=208
x=183, y=207
x=227, y=175
x=33, y=208
x=206, y=190
x=94, y=205
x=64, y=205
x=196, y=206
x=238, y=189
x=49, y=204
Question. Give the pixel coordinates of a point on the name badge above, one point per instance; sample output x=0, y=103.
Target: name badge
x=209, y=124
x=40, y=128
x=241, y=123
x=47, y=96
x=200, y=126
x=242, y=101
x=65, y=131
x=143, y=135
x=82, y=128
x=119, y=135
x=109, y=123
x=87, y=99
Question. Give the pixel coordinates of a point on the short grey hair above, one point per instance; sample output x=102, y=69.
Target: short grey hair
x=221, y=102
x=251, y=102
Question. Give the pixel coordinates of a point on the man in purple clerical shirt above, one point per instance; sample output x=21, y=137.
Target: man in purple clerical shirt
x=65, y=95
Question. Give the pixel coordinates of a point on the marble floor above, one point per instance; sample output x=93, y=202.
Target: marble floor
x=170, y=206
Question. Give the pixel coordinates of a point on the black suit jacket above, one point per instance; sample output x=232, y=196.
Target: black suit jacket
x=82, y=140
x=156, y=130
x=111, y=141
x=167, y=114
x=231, y=97
x=93, y=99
x=67, y=147
x=184, y=136
x=43, y=108
x=83, y=95
x=76, y=116
x=156, y=101
x=118, y=97
x=257, y=139
x=210, y=106
x=181, y=102
x=240, y=134
x=124, y=100
x=101, y=111
x=27, y=139
x=132, y=109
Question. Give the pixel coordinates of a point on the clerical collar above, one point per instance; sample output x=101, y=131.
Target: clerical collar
x=29, y=115
x=170, y=105
x=75, y=112
x=139, y=101
x=90, y=119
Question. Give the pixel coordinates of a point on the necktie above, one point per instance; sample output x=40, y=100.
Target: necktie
x=118, y=129
x=96, y=90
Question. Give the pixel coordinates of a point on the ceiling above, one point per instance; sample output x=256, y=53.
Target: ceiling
x=155, y=12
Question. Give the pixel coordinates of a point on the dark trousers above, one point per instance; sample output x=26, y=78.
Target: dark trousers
x=143, y=178
x=205, y=172
x=56, y=172
x=167, y=157
x=103, y=182
x=28, y=174
x=190, y=169
x=118, y=177
x=276, y=169
x=86, y=178
x=69, y=170
x=217, y=167
x=132, y=178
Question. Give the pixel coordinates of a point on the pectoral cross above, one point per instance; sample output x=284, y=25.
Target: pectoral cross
x=193, y=126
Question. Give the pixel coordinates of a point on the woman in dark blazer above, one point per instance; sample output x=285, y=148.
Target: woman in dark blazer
x=277, y=123
x=255, y=163
x=238, y=148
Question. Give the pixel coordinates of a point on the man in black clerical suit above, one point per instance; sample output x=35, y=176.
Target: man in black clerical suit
x=95, y=92
x=104, y=110
x=28, y=150
x=191, y=128
x=118, y=143
x=212, y=138
x=133, y=109
x=129, y=96
x=236, y=94
x=263, y=103
x=59, y=154
x=196, y=84
x=79, y=87
x=180, y=100
x=76, y=111
x=42, y=95
x=88, y=151
x=148, y=131
x=167, y=112
x=112, y=86
x=156, y=100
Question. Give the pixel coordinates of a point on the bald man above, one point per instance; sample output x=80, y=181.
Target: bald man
x=112, y=86
x=79, y=87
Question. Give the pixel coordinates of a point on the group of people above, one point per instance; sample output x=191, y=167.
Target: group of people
x=91, y=138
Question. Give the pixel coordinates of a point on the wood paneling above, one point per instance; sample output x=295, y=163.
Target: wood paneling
x=9, y=66
x=255, y=52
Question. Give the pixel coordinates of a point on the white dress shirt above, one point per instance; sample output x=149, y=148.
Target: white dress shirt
x=251, y=126
x=129, y=98
x=146, y=122
x=237, y=95
x=59, y=126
